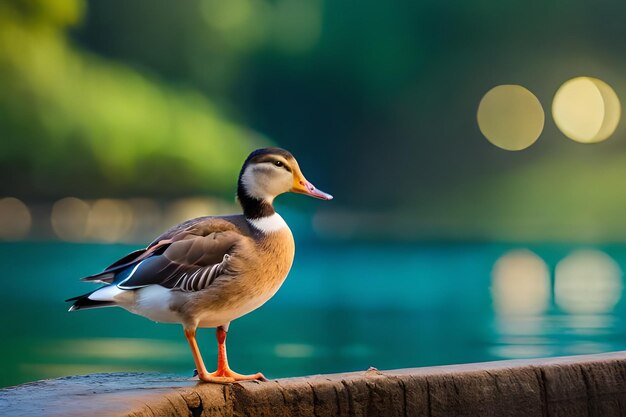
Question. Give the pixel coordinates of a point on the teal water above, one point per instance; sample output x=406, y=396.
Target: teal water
x=344, y=307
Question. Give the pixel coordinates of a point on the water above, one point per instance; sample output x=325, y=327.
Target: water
x=344, y=307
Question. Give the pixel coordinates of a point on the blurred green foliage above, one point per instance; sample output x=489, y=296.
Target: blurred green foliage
x=74, y=123
x=377, y=100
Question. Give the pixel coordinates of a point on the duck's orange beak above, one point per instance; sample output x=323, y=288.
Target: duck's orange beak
x=302, y=186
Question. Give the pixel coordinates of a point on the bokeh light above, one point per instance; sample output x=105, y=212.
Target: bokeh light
x=15, y=219
x=69, y=219
x=190, y=208
x=520, y=284
x=587, y=281
x=132, y=220
x=146, y=216
x=586, y=109
x=294, y=350
x=101, y=348
x=109, y=220
x=510, y=117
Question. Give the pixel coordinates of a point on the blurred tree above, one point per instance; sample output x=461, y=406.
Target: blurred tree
x=74, y=123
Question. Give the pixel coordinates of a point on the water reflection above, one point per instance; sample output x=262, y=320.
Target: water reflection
x=521, y=351
x=295, y=350
x=55, y=370
x=520, y=283
x=587, y=324
x=528, y=323
x=118, y=349
x=83, y=356
x=587, y=281
x=368, y=305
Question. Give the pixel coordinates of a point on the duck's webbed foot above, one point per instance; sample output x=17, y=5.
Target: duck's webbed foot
x=225, y=376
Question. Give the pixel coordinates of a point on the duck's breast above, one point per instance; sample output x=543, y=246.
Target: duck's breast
x=252, y=284
x=276, y=259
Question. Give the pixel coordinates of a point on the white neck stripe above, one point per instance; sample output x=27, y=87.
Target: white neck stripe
x=269, y=224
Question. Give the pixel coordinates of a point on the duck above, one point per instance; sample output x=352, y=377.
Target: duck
x=208, y=271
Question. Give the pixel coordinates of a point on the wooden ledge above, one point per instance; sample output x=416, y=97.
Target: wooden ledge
x=592, y=385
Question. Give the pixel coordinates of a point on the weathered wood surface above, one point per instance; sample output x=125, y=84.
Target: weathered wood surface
x=593, y=385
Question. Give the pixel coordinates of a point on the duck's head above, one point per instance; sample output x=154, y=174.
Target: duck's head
x=269, y=172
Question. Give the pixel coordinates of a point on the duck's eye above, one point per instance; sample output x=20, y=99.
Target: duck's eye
x=278, y=164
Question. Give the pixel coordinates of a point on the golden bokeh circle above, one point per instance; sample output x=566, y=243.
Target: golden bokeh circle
x=69, y=219
x=587, y=282
x=510, y=117
x=520, y=284
x=586, y=110
x=15, y=219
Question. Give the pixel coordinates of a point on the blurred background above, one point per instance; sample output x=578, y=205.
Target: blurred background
x=474, y=149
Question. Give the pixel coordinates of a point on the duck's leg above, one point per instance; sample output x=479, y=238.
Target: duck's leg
x=224, y=373
x=203, y=374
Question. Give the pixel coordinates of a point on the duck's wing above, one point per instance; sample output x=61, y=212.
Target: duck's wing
x=108, y=275
x=189, y=257
x=188, y=265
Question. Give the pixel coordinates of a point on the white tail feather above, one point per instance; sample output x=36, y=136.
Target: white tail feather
x=108, y=293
